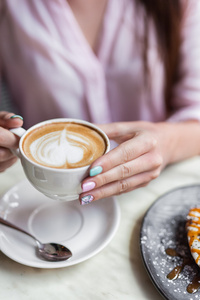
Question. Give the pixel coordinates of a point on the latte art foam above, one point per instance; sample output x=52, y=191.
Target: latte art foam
x=59, y=148
x=64, y=145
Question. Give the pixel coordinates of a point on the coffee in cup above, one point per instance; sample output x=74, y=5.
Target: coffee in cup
x=64, y=145
x=56, y=155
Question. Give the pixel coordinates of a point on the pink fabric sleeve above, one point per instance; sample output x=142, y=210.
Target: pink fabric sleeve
x=186, y=96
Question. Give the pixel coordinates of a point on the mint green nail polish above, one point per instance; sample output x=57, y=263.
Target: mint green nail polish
x=16, y=116
x=95, y=171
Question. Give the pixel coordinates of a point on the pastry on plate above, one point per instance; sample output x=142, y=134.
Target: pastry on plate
x=193, y=233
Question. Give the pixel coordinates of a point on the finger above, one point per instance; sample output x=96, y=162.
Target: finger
x=5, y=165
x=144, y=163
x=5, y=154
x=10, y=120
x=8, y=139
x=118, y=187
x=124, y=153
x=118, y=129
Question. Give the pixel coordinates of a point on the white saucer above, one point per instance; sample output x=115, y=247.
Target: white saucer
x=85, y=230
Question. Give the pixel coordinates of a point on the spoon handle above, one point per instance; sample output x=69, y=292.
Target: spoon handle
x=7, y=223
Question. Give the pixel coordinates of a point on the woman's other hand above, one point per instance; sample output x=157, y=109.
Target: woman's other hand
x=144, y=150
x=7, y=139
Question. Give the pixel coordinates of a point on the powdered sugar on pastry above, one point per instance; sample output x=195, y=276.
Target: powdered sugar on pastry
x=193, y=233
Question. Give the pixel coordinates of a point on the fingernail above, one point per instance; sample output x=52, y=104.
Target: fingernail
x=96, y=170
x=87, y=186
x=16, y=116
x=86, y=199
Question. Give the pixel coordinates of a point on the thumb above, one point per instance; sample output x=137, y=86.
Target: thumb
x=111, y=129
x=119, y=130
x=10, y=120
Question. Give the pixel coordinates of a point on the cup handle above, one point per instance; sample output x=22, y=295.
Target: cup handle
x=19, y=132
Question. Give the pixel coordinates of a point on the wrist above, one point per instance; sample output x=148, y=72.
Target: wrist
x=179, y=140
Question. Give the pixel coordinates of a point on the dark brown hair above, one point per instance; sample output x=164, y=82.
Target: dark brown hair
x=167, y=16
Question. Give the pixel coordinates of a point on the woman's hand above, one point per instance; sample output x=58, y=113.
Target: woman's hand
x=144, y=150
x=7, y=139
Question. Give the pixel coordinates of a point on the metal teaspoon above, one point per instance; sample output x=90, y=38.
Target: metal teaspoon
x=48, y=251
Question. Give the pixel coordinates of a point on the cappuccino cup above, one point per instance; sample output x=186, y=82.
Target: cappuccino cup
x=56, y=155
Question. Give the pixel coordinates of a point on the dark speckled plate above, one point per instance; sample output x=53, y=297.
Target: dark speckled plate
x=163, y=227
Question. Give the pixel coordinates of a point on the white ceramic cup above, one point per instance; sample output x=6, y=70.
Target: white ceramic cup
x=58, y=184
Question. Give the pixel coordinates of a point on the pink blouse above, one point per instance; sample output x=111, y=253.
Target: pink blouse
x=52, y=72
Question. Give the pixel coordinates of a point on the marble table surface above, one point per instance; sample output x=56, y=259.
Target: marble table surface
x=117, y=272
